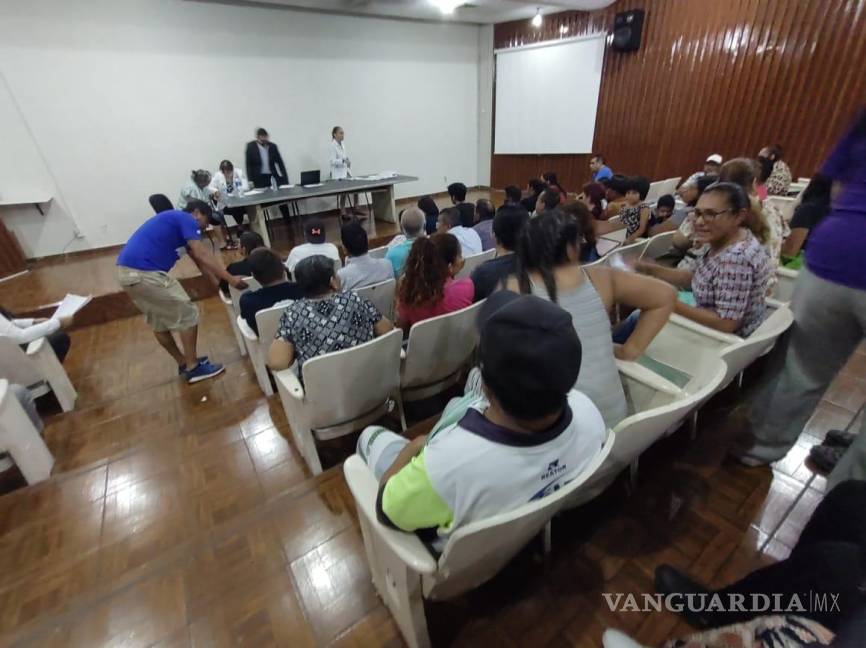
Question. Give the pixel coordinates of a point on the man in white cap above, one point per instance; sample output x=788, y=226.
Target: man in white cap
x=711, y=167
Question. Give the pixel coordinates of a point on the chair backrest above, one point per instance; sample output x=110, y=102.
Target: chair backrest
x=670, y=185
x=15, y=366
x=626, y=253
x=658, y=245
x=381, y=295
x=236, y=293
x=268, y=321
x=741, y=355
x=439, y=346
x=785, y=281
x=379, y=252
x=477, y=551
x=160, y=203
x=344, y=385
x=472, y=262
x=656, y=191
x=785, y=205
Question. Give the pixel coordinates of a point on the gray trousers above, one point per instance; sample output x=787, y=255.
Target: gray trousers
x=829, y=324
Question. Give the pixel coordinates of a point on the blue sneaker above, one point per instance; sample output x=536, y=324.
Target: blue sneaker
x=203, y=371
x=181, y=370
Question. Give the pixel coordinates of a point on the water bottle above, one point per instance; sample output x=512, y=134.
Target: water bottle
x=274, y=185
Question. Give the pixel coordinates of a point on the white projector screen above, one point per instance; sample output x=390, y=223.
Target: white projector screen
x=547, y=96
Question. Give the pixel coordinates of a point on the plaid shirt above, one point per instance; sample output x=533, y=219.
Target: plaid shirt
x=733, y=283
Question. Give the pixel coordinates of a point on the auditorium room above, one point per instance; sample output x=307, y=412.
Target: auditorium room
x=433, y=323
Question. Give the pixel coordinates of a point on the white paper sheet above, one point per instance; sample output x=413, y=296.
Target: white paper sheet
x=253, y=192
x=70, y=305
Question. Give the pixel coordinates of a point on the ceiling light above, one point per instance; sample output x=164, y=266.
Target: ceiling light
x=447, y=6
x=536, y=20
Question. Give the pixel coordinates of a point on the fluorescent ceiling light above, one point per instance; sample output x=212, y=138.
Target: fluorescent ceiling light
x=447, y=6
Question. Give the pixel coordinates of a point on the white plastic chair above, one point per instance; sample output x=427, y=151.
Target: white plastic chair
x=627, y=253
x=657, y=407
x=405, y=572
x=230, y=303
x=656, y=191
x=381, y=295
x=472, y=262
x=20, y=438
x=437, y=349
x=785, y=281
x=267, y=320
x=786, y=205
x=658, y=245
x=38, y=369
x=378, y=253
x=342, y=392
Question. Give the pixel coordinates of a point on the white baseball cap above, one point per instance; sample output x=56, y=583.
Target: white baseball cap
x=715, y=157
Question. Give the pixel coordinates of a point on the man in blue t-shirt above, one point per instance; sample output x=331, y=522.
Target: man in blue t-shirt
x=600, y=171
x=142, y=270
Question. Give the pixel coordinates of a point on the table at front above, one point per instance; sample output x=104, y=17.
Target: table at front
x=382, y=192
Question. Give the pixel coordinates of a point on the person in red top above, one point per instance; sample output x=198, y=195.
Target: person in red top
x=428, y=287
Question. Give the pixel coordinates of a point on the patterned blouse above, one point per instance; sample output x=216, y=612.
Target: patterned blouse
x=733, y=283
x=318, y=326
x=780, y=179
x=630, y=216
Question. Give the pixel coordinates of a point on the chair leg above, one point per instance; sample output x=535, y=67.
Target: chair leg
x=403, y=596
x=398, y=397
x=693, y=425
x=23, y=442
x=306, y=443
x=55, y=375
x=239, y=338
x=740, y=380
x=632, y=475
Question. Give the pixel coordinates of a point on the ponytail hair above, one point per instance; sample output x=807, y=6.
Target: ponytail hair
x=424, y=275
x=543, y=246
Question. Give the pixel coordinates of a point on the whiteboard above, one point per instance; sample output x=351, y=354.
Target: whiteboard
x=547, y=96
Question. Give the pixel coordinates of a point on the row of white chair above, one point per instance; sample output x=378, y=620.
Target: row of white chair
x=37, y=368
x=660, y=188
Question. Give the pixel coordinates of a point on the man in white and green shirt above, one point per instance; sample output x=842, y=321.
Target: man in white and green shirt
x=522, y=434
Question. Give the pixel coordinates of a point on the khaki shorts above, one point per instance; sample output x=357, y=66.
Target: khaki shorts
x=161, y=298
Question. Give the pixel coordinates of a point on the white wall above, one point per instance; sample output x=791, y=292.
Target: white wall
x=125, y=97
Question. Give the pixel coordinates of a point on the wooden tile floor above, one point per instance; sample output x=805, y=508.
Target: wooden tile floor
x=181, y=516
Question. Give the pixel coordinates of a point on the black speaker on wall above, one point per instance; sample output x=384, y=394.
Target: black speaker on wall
x=627, y=27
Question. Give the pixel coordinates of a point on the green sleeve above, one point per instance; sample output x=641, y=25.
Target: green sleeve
x=410, y=501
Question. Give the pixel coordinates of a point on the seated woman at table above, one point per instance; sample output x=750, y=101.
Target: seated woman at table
x=227, y=182
x=548, y=253
x=729, y=282
x=199, y=188
x=23, y=331
x=813, y=207
x=428, y=287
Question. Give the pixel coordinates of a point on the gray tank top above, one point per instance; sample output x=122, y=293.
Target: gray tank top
x=598, y=378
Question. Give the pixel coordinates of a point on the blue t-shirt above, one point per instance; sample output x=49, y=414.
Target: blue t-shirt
x=602, y=174
x=154, y=245
x=397, y=255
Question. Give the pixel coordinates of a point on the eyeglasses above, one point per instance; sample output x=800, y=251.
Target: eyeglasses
x=708, y=214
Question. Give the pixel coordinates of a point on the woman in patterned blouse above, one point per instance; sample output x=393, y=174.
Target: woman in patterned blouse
x=325, y=320
x=729, y=282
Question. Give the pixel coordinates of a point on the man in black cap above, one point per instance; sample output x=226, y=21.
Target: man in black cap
x=521, y=435
x=314, y=233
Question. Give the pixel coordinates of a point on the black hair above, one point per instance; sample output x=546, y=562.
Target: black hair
x=818, y=189
x=765, y=168
x=251, y=241
x=266, y=266
x=705, y=181
x=552, y=181
x=452, y=216
x=354, y=239
x=537, y=186
x=484, y=209
x=199, y=205
x=261, y=132
x=640, y=185
x=334, y=130
x=508, y=225
x=551, y=198
x=428, y=206
x=543, y=246
x=313, y=275
x=618, y=184
x=513, y=193
x=226, y=165
x=734, y=195
x=775, y=151
x=666, y=201
x=457, y=190
x=599, y=157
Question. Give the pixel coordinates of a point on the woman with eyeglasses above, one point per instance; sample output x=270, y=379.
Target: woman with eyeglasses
x=729, y=283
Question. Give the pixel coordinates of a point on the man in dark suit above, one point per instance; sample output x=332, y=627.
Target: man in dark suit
x=264, y=161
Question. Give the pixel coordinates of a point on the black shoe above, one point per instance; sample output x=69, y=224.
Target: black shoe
x=825, y=457
x=839, y=438
x=671, y=581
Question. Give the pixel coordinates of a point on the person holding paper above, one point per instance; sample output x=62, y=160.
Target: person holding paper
x=142, y=271
x=340, y=165
x=23, y=331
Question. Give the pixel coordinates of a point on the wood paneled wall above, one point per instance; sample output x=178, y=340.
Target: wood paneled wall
x=711, y=76
x=11, y=257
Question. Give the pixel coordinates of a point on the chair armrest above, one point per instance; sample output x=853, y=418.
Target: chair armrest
x=36, y=346
x=245, y=330
x=290, y=383
x=648, y=377
x=406, y=546
x=227, y=301
x=685, y=322
x=774, y=303
x=787, y=272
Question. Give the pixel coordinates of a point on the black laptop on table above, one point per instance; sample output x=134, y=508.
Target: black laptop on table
x=311, y=178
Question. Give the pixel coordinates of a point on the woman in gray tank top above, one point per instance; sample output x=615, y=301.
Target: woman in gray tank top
x=548, y=266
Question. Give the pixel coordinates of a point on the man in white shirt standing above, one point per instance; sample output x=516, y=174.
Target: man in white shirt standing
x=314, y=233
x=449, y=221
